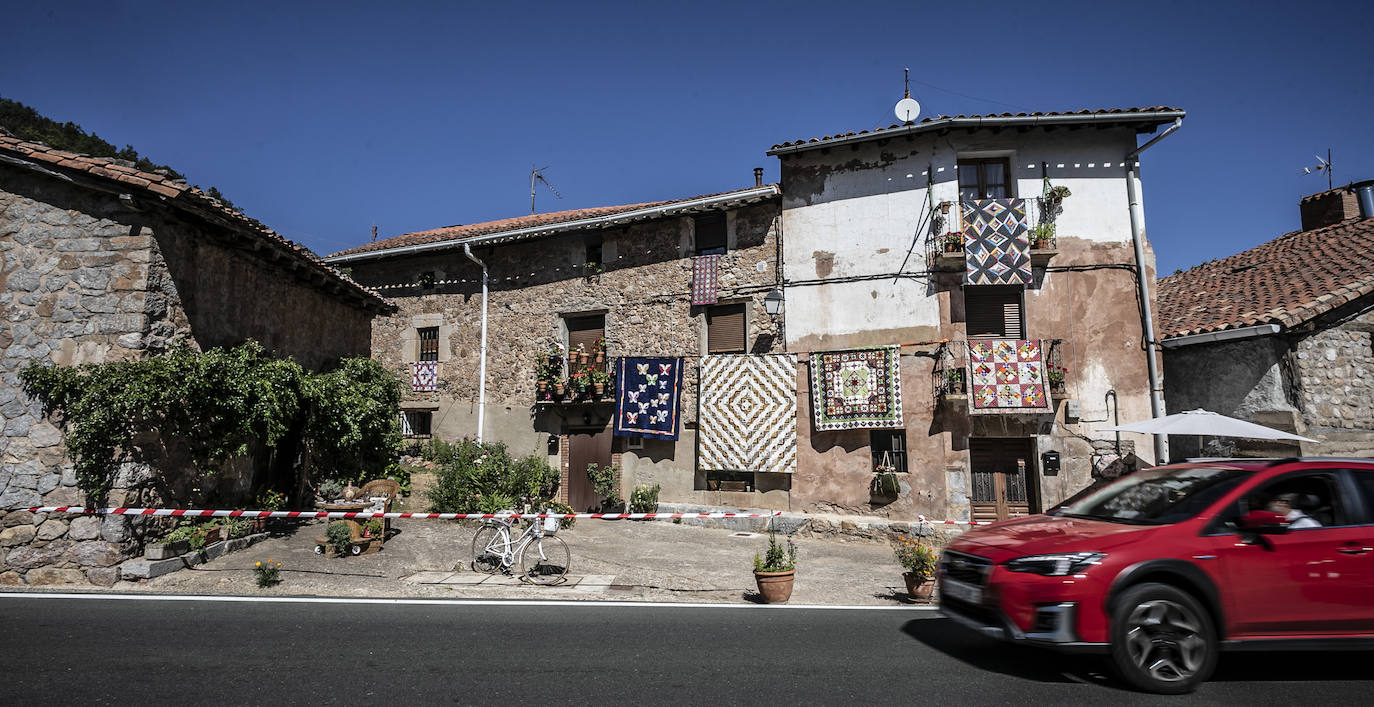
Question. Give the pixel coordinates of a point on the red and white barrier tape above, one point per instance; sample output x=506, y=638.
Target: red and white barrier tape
x=197, y=513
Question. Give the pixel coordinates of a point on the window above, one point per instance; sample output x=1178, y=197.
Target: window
x=429, y=344
x=710, y=238
x=984, y=179
x=889, y=448
x=593, y=250
x=1307, y=496
x=1365, y=480
x=585, y=331
x=416, y=423
x=993, y=312
x=725, y=329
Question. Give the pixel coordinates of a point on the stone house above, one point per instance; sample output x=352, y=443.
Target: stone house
x=1281, y=335
x=101, y=262
x=887, y=243
x=618, y=274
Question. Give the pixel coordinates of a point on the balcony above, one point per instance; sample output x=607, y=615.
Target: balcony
x=945, y=251
x=953, y=376
x=589, y=381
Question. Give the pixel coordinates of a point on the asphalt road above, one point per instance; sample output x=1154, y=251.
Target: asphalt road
x=103, y=650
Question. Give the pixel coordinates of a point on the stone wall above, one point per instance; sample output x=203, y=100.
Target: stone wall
x=643, y=290
x=1335, y=371
x=88, y=278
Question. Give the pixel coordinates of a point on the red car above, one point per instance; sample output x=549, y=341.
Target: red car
x=1163, y=568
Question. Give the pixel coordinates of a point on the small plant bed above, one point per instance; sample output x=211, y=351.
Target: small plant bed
x=192, y=544
x=348, y=537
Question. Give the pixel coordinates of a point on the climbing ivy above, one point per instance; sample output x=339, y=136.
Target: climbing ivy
x=219, y=403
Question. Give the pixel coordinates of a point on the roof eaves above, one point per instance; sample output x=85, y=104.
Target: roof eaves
x=946, y=122
x=743, y=196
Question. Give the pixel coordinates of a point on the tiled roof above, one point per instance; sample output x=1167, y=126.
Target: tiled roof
x=455, y=234
x=162, y=185
x=1286, y=281
x=1126, y=115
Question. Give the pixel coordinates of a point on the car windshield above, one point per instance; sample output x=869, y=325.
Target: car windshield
x=1154, y=496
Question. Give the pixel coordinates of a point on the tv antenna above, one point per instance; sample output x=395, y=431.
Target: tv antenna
x=907, y=109
x=537, y=176
x=1323, y=165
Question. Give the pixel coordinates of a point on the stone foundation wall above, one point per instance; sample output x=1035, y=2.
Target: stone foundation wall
x=1335, y=369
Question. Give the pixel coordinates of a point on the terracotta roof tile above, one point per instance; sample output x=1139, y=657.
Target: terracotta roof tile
x=1124, y=112
x=164, y=185
x=1287, y=281
x=454, y=233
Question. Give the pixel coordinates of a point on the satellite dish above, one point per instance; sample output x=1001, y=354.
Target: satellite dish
x=907, y=109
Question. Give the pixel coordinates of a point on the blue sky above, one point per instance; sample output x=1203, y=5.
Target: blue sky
x=322, y=119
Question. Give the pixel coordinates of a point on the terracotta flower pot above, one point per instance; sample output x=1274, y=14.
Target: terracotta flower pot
x=775, y=587
x=543, y=385
x=600, y=357
x=600, y=388
x=558, y=388
x=918, y=586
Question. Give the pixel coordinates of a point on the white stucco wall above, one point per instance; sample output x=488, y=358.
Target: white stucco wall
x=863, y=213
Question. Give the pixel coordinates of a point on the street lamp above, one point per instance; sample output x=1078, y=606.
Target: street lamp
x=772, y=302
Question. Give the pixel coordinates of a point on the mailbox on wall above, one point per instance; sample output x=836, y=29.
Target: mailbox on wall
x=1049, y=463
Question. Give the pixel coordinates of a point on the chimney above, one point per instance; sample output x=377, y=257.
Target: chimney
x=1333, y=206
x=758, y=176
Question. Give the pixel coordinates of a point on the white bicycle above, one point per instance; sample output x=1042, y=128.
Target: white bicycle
x=542, y=556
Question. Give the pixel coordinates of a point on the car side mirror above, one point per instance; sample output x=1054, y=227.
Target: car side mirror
x=1263, y=522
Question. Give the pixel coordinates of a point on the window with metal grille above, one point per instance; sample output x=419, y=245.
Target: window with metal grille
x=725, y=329
x=993, y=312
x=710, y=238
x=984, y=179
x=889, y=448
x=429, y=343
x=415, y=423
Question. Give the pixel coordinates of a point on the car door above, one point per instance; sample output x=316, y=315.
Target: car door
x=1302, y=582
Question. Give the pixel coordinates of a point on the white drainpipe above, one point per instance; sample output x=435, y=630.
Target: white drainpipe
x=1138, y=240
x=482, y=367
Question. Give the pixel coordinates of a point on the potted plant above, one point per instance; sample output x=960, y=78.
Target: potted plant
x=1055, y=376
x=267, y=500
x=177, y=542
x=599, y=350
x=601, y=381
x=885, y=484
x=954, y=380
x=919, y=561
x=953, y=242
x=560, y=388
x=581, y=354
x=775, y=569
x=372, y=528
x=944, y=206
x=580, y=382
x=1054, y=196
x=1041, y=235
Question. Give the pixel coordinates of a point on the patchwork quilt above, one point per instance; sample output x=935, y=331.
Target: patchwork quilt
x=1008, y=374
x=857, y=389
x=648, y=397
x=424, y=376
x=748, y=413
x=705, y=279
x=996, y=242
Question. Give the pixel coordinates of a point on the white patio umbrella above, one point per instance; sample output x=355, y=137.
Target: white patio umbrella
x=1206, y=423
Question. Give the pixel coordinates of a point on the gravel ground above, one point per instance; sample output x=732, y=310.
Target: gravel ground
x=650, y=561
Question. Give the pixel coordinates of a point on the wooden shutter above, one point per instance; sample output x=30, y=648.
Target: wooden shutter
x=993, y=312
x=585, y=331
x=725, y=329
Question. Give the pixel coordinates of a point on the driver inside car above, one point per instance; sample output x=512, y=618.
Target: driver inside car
x=1283, y=504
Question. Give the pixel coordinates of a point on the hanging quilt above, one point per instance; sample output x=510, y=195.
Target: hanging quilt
x=748, y=413
x=705, y=278
x=857, y=389
x=424, y=376
x=648, y=394
x=1008, y=375
x=996, y=243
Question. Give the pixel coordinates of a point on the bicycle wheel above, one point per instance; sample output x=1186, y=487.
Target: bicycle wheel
x=545, y=560
x=486, y=558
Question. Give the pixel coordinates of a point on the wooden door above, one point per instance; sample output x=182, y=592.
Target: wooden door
x=586, y=447
x=1001, y=478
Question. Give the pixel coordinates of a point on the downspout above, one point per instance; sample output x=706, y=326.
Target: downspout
x=482, y=367
x=1143, y=288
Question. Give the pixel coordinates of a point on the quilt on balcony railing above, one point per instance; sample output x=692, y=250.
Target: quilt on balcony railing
x=424, y=376
x=748, y=407
x=1008, y=374
x=648, y=395
x=859, y=389
x=996, y=242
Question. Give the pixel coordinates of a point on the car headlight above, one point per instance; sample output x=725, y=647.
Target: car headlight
x=1056, y=565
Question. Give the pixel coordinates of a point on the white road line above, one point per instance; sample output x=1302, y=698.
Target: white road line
x=448, y=602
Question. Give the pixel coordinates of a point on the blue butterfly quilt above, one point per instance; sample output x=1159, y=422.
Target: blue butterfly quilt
x=648, y=392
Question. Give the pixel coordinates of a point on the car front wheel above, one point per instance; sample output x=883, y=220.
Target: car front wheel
x=1163, y=639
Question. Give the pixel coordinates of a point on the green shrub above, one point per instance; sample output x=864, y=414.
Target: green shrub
x=340, y=536
x=483, y=478
x=606, y=483
x=644, y=499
